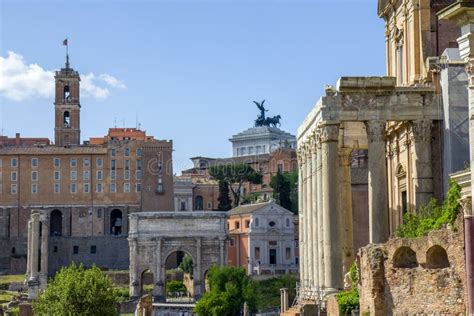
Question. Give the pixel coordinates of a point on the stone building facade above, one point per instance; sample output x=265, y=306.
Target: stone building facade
x=84, y=192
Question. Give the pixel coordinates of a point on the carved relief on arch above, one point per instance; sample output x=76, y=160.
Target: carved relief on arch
x=400, y=171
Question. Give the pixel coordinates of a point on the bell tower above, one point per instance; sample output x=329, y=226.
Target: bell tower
x=67, y=107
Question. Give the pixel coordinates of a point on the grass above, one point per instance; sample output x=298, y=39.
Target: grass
x=7, y=279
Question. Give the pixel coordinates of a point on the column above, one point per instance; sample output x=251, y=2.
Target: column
x=159, y=277
x=309, y=213
x=197, y=274
x=28, y=251
x=314, y=215
x=302, y=224
x=300, y=213
x=222, y=252
x=423, y=178
x=33, y=282
x=332, y=220
x=44, y=250
x=378, y=207
x=319, y=198
x=133, y=268
x=345, y=205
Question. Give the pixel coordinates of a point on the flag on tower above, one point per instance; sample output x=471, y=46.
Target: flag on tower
x=65, y=42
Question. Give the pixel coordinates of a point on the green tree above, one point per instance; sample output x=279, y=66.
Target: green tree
x=292, y=178
x=175, y=286
x=230, y=288
x=281, y=190
x=225, y=202
x=75, y=290
x=187, y=264
x=236, y=175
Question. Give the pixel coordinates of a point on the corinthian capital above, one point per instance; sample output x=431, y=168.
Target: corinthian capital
x=329, y=133
x=375, y=131
x=422, y=130
x=344, y=155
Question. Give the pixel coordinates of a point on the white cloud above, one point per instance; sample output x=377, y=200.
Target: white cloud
x=20, y=81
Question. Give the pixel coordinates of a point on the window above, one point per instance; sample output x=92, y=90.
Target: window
x=57, y=162
x=271, y=224
x=113, y=164
x=126, y=175
x=199, y=203
x=257, y=253
x=98, y=187
x=34, y=188
x=250, y=150
x=126, y=152
x=113, y=152
x=273, y=243
x=73, y=187
x=34, y=162
x=99, y=162
x=93, y=249
x=138, y=175
x=73, y=175
x=75, y=250
x=86, y=187
x=126, y=187
x=14, y=176
x=247, y=224
x=34, y=175
x=13, y=189
x=113, y=175
x=99, y=175
x=86, y=162
x=139, y=152
x=287, y=222
x=209, y=205
x=86, y=175
x=232, y=242
x=288, y=253
x=127, y=164
x=55, y=249
x=14, y=162
x=73, y=162
x=57, y=188
x=183, y=206
x=138, y=187
x=113, y=188
x=57, y=175
x=237, y=224
x=273, y=256
x=256, y=222
x=139, y=165
x=280, y=167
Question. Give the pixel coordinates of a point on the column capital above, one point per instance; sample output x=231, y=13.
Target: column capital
x=329, y=133
x=344, y=155
x=422, y=130
x=375, y=131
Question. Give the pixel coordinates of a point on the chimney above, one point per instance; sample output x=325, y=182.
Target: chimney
x=17, y=139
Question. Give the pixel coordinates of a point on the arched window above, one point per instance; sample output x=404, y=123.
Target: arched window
x=56, y=223
x=437, y=258
x=404, y=257
x=116, y=222
x=67, y=94
x=67, y=119
x=199, y=201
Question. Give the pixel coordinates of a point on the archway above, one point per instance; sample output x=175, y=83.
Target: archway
x=67, y=119
x=56, y=223
x=179, y=279
x=437, y=258
x=404, y=257
x=199, y=203
x=146, y=282
x=116, y=222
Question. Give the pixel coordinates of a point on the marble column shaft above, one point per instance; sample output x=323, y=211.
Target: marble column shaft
x=345, y=205
x=314, y=216
x=44, y=249
x=321, y=228
x=304, y=219
x=133, y=269
x=309, y=218
x=423, y=167
x=331, y=218
x=378, y=204
x=35, y=245
x=300, y=216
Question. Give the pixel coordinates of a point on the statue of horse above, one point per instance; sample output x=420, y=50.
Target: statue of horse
x=273, y=121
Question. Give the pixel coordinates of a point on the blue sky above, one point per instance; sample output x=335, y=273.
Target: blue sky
x=188, y=70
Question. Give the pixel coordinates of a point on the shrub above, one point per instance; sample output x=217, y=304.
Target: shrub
x=268, y=291
x=175, y=286
x=349, y=300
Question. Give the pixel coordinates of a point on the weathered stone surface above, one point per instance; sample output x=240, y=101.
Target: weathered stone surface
x=397, y=281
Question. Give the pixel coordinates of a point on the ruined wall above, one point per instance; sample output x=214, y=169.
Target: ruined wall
x=424, y=275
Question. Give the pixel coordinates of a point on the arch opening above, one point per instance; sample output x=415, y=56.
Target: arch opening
x=147, y=282
x=67, y=119
x=404, y=257
x=437, y=258
x=116, y=222
x=56, y=223
x=199, y=202
x=179, y=280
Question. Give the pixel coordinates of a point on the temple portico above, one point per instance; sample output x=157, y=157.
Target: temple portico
x=361, y=113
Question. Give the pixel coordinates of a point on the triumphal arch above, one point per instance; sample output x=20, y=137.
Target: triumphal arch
x=395, y=126
x=155, y=236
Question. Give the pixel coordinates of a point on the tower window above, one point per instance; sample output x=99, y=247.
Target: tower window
x=67, y=119
x=67, y=93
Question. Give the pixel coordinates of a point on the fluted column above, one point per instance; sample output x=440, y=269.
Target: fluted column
x=423, y=178
x=378, y=204
x=300, y=214
x=303, y=224
x=309, y=213
x=314, y=214
x=319, y=198
x=345, y=205
x=331, y=217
